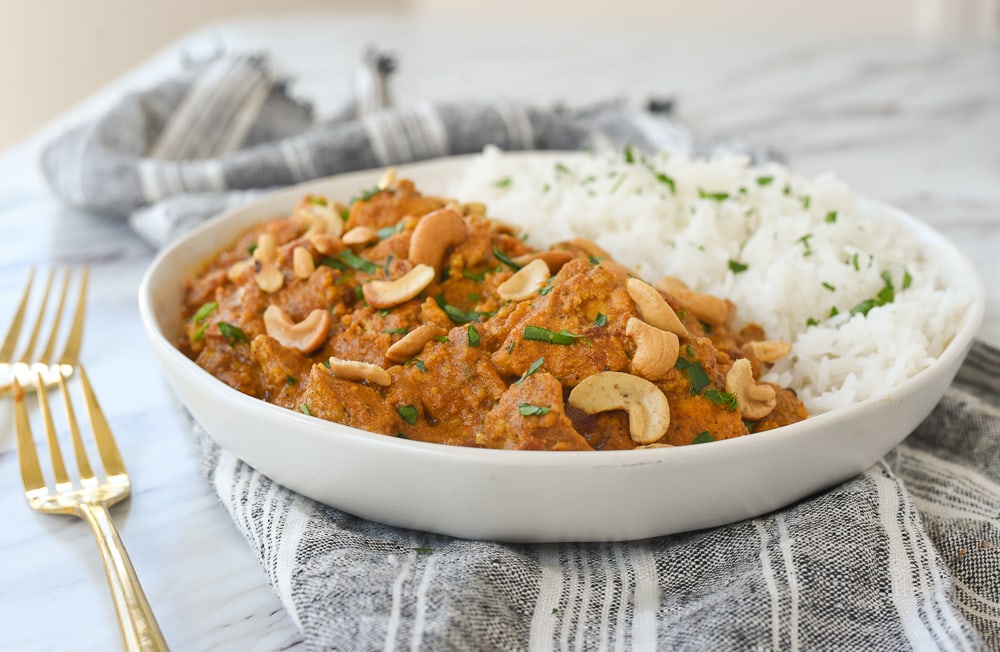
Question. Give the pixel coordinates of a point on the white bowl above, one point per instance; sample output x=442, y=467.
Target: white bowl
x=533, y=496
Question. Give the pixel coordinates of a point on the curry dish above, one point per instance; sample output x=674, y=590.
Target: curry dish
x=420, y=318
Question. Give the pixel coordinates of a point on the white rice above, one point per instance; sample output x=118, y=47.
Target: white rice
x=803, y=257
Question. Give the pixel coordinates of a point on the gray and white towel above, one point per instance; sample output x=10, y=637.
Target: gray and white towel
x=905, y=556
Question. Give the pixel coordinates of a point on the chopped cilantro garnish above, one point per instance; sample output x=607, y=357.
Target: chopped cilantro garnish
x=812, y=322
x=705, y=326
x=506, y=260
x=665, y=180
x=560, y=167
x=503, y=183
x=305, y=409
x=546, y=288
x=703, y=438
x=601, y=320
x=365, y=195
x=396, y=331
x=764, y=181
x=829, y=287
x=408, y=412
x=291, y=380
x=473, y=276
x=831, y=217
x=474, y=296
x=907, y=279
x=388, y=231
x=805, y=243
x=359, y=293
x=384, y=312
x=441, y=338
x=473, y=335
x=629, y=154
x=351, y=259
x=252, y=248
x=724, y=399
x=594, y=260
x=205, y=310
x=418, y=363
x=532, y=369
x=736, y=266
x=458, y=315
x=715, y=196
x=806, y=201
x=539, y=334
x=233, y=334
x=529, y=410
x=854, y=262
x=200, y=333
x=695, y=373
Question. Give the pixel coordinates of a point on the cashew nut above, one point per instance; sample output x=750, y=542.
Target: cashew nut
x=706, y=307
x=434, y=234
x=320, y=217
x=360, y=235
x=647, y=407
x=756, y=401
x=387, y=179
x=356, y=371
x=653, y=308
x=266, y=250
x=525, y=282
x=474, y=208
x=768, y=350
x=306, y=336
x=655, y=349
x=302, y=262
x=386, y=294
x=554, y=258
x=327, y=243
x=413, y=342
x=238, y=269
x=266, y=273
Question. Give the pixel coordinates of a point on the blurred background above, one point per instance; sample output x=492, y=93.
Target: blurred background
x=54, y=53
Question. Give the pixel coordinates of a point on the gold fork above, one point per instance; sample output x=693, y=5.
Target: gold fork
x=27, y=367
x=88, y=498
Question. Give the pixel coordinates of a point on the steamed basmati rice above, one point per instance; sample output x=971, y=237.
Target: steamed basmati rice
x=795, y=255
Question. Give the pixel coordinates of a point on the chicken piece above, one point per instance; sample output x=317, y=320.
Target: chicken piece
x=387, y=207
x=365, y=333
x=580, y=292
x=232, y=364
x=531, y=416
x=353, y=404
x=789, y=409
x=452, y=385
x=282, y=371
x=603, y=430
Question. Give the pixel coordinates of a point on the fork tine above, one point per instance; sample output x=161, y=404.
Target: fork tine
x=72, y=349
x=106, y=446
x=58, y=466
x=30, y=347
x=10, y=341
x=31, y=472
x=46, y=355
x=82, y=461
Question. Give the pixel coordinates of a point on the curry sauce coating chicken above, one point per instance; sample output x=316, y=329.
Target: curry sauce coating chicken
x=501, y=376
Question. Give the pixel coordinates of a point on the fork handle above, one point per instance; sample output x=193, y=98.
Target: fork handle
x=136, y=621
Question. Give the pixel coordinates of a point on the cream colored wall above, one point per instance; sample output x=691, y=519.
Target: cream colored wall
x=53, y=53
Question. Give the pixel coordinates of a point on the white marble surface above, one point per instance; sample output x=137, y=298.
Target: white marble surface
x=913, y=123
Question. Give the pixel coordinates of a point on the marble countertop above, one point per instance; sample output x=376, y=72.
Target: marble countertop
x=910, y=122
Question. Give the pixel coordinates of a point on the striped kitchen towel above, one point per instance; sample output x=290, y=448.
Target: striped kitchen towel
x=173, y=155
x=904, y=557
